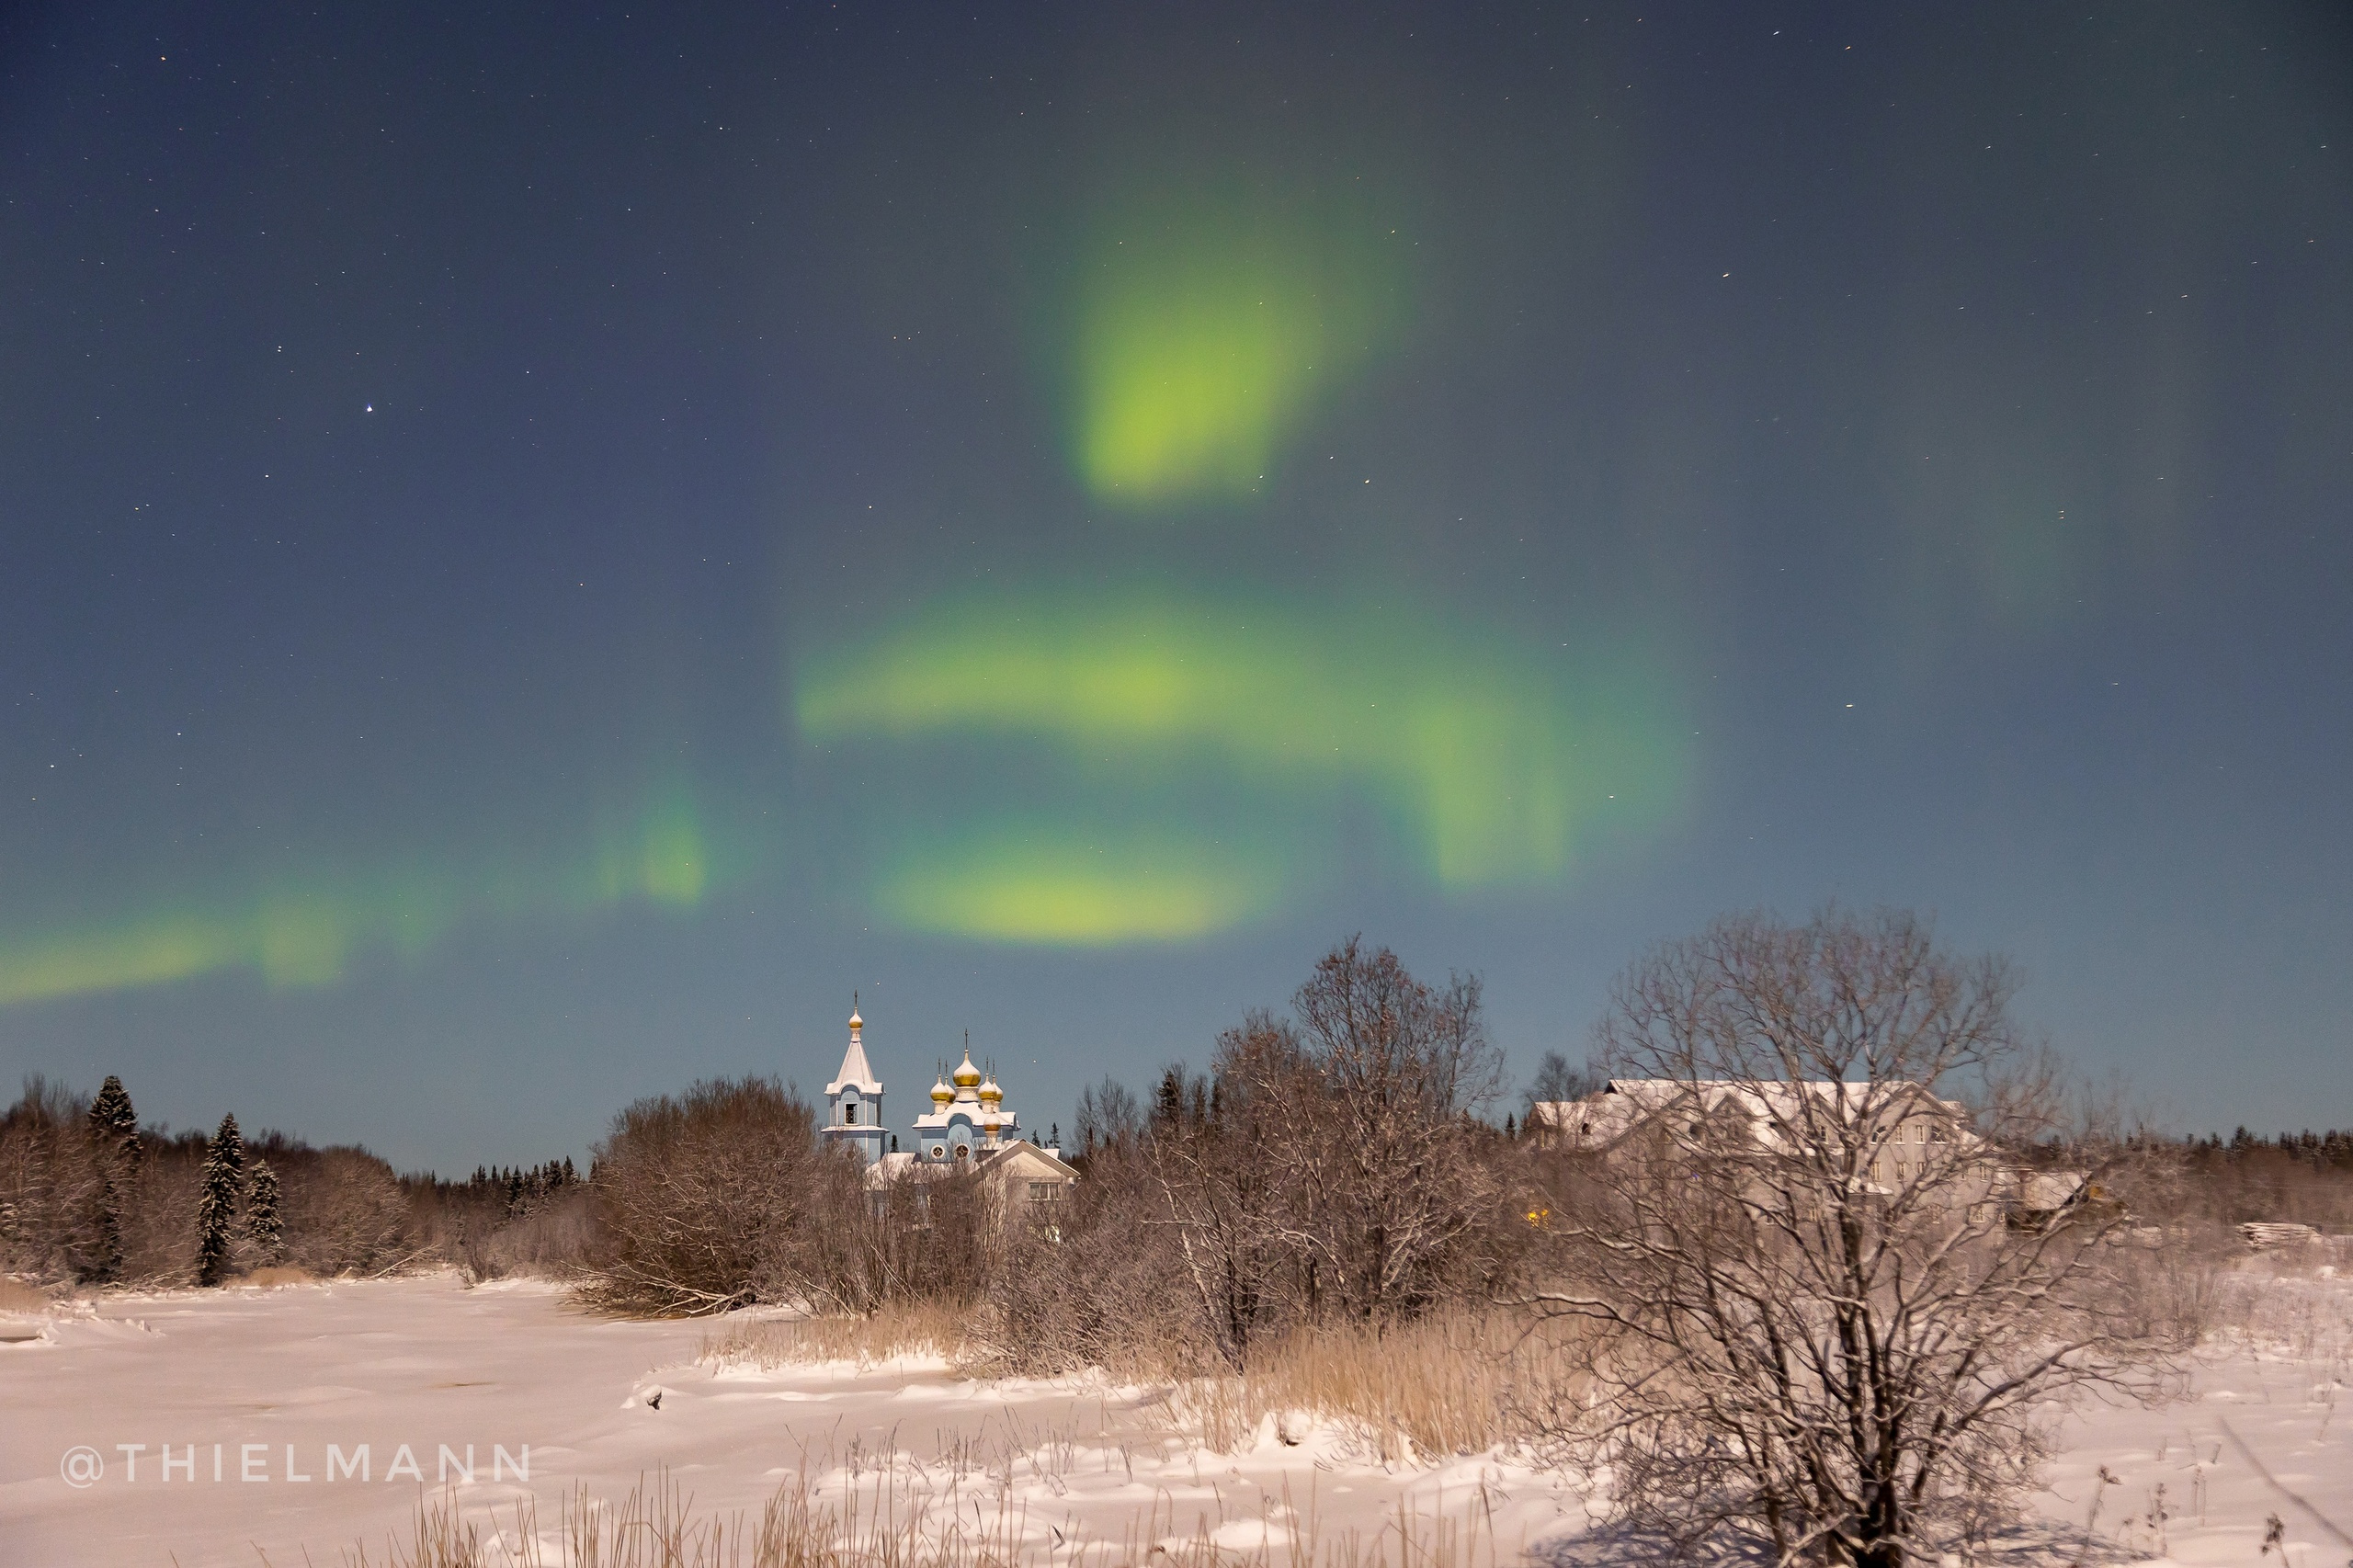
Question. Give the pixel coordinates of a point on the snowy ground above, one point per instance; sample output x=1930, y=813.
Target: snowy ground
x=242, y=1393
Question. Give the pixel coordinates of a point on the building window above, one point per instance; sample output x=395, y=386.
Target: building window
x=1045, y=1192
x=849, y=1114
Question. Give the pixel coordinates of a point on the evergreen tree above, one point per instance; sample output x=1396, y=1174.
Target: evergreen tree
x=113, y=1122
x=114, y=1139
x=225, y=1163
x=263, y=1226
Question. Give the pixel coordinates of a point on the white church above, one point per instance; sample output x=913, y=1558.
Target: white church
x=968, y=1128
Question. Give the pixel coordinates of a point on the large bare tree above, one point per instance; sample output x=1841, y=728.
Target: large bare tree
x=1833, y=1295
x=1369, y=1107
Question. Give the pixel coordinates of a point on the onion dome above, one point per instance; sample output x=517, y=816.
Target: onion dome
x=989, y=1093
x=940, y=1093
x=967, y=1075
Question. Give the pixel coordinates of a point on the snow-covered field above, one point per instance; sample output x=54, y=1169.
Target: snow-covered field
x=231, y=1426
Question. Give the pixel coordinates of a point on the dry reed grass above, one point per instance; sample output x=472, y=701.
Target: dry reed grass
x=279, y=1274
x=914, y=1328
x=657, y=1527
x=15, y=1296
x=2296, y=1303
x=1458, y=1382
x=1455, y=1382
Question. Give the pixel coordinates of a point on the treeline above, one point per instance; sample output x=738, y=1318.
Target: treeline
x=2330, y=1150
x=1330, y=1166
x=89, y=1196
x=2298, y=1179
x=1327, y=1166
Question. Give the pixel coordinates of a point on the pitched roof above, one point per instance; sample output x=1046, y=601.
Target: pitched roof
x=1769, y=1105
x=1021, y=1154
x=855, y=1072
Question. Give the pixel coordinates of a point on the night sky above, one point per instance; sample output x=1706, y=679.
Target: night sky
x=541, y=548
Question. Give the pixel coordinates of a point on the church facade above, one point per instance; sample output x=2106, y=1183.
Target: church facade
x=969, y=1128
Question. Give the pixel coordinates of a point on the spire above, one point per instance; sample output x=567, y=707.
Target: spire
x=855, y=1071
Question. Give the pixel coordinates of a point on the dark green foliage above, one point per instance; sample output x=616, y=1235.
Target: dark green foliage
x=113, y=1124
x=263, y=1226
x=114, y=1150
x=225, y=1160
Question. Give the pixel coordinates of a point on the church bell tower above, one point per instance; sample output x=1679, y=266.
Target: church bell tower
x=854, y=1099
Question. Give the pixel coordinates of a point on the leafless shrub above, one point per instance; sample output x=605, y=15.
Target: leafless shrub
x=554, y=1240
x=1832, y=1302
x=937, y=1236
x=699, y=1200
x=345, y=1214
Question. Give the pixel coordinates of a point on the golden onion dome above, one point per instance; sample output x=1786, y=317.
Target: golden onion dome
x=989, y=1093
x=941, y=1094
x=967, y=1075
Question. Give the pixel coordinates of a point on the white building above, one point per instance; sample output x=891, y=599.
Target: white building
x=967, y=1120
x=854, y=1099
x=1905, y=1128
x=967, y=1128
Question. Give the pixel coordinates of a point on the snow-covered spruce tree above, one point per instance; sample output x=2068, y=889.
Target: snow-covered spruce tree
x=112, y=1122
x=263, y=1226
x=114, y=1145
x=225, y=1160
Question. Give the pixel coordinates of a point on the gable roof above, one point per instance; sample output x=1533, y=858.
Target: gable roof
x=1019, y=1153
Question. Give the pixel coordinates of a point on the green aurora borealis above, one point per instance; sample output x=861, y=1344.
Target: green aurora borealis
x=537, y=553
x=1487, y=758
x=1204, y=332
x=299, y=933
x=1201, y=332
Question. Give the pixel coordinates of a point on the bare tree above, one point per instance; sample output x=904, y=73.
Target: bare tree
x=1222, y=1203
x=698, y=1198
x=1370, y=1132
x=1108, y=1113
x=54, y=1196
x=1832, y=1300
x=1556, y=1083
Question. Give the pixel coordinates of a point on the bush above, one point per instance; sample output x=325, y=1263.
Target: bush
x=702, y=1202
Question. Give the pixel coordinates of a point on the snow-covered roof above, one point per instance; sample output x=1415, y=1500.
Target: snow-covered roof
x=1005, y=1161
x=1767, y=1105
